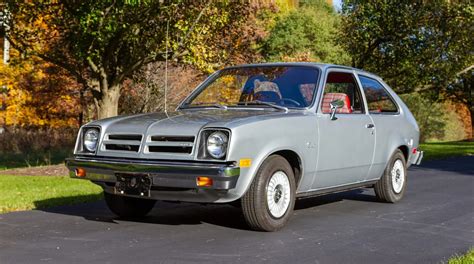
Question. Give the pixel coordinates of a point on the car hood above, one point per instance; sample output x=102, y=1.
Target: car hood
x=187, y=122
x=177, y=131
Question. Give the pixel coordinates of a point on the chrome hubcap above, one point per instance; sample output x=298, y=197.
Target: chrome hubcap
x=278, y=194
x=398, y=176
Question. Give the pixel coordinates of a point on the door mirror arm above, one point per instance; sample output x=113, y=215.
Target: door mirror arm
x=334, y=106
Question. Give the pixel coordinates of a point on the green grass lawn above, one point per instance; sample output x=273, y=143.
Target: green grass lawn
x=36, y=192
x=468, y=258
x=440, y=150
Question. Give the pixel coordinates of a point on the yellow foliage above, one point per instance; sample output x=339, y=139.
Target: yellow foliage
x=225, y=90
x=32, y=97
x=35, y=93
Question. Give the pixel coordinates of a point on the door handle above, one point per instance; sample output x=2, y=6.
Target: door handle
x=370, y=126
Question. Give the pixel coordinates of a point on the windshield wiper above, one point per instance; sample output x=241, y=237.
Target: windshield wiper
x=216, y=105
x=258, y=102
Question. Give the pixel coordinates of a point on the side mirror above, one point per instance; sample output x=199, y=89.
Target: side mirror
x=334, y=106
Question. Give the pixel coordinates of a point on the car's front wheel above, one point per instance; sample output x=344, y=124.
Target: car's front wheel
x=128, y=207
x=391, y=187
x=269, y=202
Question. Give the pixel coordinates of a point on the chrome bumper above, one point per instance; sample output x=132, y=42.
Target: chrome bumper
x=417, y=157
x=162, y=173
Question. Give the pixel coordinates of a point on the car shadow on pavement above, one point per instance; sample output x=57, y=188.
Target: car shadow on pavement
x=164, y=213
x=361, y=195
x=173, y=213
x=93, y=210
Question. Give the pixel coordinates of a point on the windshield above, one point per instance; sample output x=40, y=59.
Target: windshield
x=285, y=86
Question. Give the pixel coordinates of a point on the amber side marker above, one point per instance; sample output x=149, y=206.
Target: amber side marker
x=204, y=181
x=245, y=163
x=80, y=172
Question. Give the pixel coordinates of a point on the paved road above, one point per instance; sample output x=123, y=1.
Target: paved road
x=435, y=220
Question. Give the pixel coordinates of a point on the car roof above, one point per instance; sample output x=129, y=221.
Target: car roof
x=322, y=66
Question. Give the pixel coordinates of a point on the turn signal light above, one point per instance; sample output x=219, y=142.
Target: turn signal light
x=80, y=172
x=204, y=181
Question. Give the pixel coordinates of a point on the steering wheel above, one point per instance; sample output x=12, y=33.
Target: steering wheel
x=290, y=101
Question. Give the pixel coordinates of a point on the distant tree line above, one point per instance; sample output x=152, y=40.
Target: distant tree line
x=115, y=49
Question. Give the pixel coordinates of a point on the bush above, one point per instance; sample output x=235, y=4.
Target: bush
x=146, y=91
x=438, y=120
x=22, y=147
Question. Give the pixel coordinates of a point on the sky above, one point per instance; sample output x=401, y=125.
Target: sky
x=337, y=4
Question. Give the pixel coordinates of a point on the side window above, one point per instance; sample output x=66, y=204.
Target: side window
x=342, y=86
x=378, y=99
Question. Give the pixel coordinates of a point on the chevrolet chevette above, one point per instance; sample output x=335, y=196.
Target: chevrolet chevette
x=260, y=136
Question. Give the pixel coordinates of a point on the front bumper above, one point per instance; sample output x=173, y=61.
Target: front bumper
x=166, y=176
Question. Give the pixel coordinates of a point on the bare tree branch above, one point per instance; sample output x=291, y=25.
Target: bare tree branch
x=465, y=70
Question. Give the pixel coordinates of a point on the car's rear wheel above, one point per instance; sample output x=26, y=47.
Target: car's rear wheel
x=391, y=187
x=128, y=207
x=269, y=202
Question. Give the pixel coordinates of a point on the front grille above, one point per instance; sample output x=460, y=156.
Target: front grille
x=170, y=149
x=126, y=137
x=173, y=138
x=123, y=142
x=171, y=144
x=122, y=147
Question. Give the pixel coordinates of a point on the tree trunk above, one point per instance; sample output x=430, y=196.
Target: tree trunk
x=470, y=135
x=468, y=86
x=107, y=104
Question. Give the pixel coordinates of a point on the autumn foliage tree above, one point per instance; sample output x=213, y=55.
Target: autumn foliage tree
x=306, y=32
x=414, y=45
x=102, y=43
x=145, y=92
x=38, y=94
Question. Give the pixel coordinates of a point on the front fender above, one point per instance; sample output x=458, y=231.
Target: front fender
x=257, y=141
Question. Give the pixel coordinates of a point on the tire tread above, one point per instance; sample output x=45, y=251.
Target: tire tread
x=383, y=187
x=254, y=207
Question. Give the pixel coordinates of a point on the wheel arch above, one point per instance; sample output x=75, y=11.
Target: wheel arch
x=405, y=151
x=295, y=162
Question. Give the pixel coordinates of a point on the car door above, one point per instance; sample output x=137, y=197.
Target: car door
x=386, y=116
x=346, y=144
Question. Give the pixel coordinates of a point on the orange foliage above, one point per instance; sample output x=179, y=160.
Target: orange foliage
x=37, y=95
x=462, y=111
x=301, y=56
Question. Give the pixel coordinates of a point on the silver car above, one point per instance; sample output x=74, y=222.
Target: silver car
x=260, y=135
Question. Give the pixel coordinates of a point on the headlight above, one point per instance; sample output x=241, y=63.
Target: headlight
x=217, y=144
x=91, y=137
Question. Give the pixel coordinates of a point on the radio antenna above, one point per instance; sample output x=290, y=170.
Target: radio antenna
x=179, y=45
x=166, y=68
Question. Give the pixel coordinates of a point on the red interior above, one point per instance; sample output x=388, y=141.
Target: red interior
x=329, y=97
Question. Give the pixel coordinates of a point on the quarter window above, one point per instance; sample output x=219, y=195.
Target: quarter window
x=378, y=99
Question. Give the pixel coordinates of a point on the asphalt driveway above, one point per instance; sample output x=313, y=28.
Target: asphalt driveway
x=434, y=221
